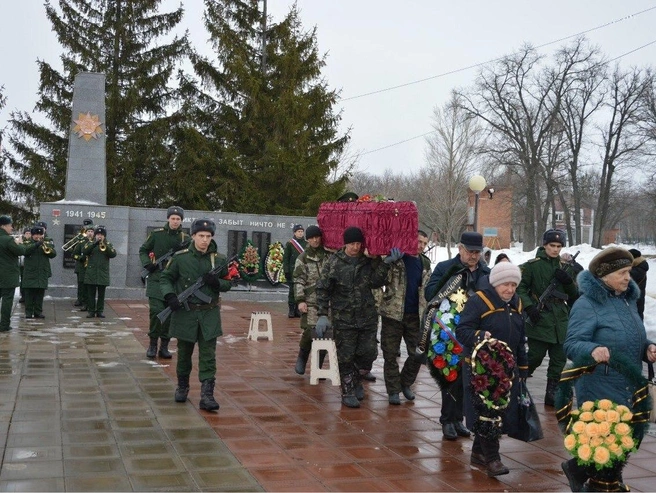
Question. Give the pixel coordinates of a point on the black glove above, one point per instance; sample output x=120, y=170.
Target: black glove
x=211, y=280
x=38, y=244
x=533, y=313
x=179, y=247
x=563, y=277
x=151, y=267
x=172, y=301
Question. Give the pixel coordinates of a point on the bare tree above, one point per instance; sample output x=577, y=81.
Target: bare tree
x=451, y=158
x=622, y=137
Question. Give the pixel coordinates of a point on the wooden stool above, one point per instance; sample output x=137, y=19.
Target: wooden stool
x=254, y=329
x=332, y=372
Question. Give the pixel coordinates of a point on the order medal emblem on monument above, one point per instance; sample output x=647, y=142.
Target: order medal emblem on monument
x=87, y=126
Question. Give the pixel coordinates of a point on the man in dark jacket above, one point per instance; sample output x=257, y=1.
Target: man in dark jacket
x=201, y=322
x=36, y=273
x=10, y=250
x=469, y=262
x=96, y=276
x=158, y=243
x=546, y=329
x=639, y=275
x=344, y=291
x=293, y=249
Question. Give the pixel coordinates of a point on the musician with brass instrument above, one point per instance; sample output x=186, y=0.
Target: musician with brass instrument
x=27, y=234
x=36, y=272
x=159, y=243
x=10, y=249
x=96, y=278
x=75, y=245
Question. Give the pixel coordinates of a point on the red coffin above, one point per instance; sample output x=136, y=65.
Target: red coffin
x=385, y=224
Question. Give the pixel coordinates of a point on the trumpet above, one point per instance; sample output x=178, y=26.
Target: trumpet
x=70, y=244
x=46, y=248
x=102, y=246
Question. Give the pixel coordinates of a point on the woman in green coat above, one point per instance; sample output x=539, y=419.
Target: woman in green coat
x=36, y=272
x=197, y=321
x=96, y=277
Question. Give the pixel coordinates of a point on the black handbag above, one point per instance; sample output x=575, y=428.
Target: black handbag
x=528, y=427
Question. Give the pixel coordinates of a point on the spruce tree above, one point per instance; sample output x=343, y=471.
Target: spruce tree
x=127, y=40
x=270, y=118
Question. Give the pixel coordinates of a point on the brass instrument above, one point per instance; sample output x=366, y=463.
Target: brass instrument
x=46, y=248
x=102, y=246
x=72, y=243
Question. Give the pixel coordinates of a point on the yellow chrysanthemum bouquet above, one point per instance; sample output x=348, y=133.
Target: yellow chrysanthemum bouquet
x=600, y=434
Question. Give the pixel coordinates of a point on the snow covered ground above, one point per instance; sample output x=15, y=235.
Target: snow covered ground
x=586, y=254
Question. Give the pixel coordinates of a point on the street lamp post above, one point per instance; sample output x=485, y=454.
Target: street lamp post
x=477, y=185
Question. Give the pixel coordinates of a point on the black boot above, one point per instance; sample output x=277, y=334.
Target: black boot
x=550, y=395
x=164, y=349
x=292, y=310
x=151, y=352
x=207, y=401
x=301, y=361
x=348, y=392
x=182, y=390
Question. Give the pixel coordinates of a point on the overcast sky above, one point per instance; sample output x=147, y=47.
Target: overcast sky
x=373, y=45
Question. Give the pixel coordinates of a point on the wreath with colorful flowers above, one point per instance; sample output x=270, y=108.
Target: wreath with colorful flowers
x=273, y=264
x=492, y=371
x=249, y=262
x=444, y=350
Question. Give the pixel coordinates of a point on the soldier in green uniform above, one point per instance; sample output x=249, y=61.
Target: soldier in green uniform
x=306, y=274
x=37, y=272
x=27, y=234
x=10, y=250
x=96, y=277
x=400, y=310
x=293, y=249
x=85, y=235
x=345, y=291
x=546, y=330
x=199, y=322
x=158, y=243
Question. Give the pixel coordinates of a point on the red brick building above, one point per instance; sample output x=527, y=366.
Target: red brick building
x=494, y=216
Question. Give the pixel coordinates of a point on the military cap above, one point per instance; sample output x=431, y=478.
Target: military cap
x=174, y=210
x=203, y=225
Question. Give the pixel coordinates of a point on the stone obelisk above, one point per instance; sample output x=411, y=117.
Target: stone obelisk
x=86, y=175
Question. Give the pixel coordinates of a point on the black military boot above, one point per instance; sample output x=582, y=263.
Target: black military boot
x=151, y=352
x=301, y=361
x=207, y=401
x=292, y=310
x=164, y=350
x=550, y=395
x=348, y=392
x=182, y=390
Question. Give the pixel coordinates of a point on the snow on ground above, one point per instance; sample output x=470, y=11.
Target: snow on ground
x=587, y=253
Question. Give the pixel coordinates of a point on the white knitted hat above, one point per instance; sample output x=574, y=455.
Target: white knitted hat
x=505, y=272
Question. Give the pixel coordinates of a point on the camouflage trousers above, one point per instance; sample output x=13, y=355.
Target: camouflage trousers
x=392, y=332
x=357, y=350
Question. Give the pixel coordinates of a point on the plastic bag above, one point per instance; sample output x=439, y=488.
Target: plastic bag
x=528, y=427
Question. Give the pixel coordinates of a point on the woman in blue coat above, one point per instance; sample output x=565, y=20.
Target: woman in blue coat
x=494, y=312
x=605, y=321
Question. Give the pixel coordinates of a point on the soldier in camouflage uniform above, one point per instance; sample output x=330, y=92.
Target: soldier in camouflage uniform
x=306, y=274
x=344, y=290
x=546, y=330
x=293, y=249
x=158, y=243
x=201, y=323
x=401, y=308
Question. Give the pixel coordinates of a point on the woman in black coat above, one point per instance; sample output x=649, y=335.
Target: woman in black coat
x=494, y=312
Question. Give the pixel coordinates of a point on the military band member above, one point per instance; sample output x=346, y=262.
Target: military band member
x=158, y=243
x=85, y=234
x=201, y=322
x=36, y=272
x=96, y=277
x=27, y=234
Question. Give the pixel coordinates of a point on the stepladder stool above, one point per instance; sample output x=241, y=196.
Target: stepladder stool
x=332, y=372
x=254, y=331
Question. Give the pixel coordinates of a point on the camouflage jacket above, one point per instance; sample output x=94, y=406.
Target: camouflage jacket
x=393, y=301
x=345, y=289
x=306, y=274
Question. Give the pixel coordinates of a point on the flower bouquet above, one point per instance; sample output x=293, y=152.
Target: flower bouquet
x=444, y=349
x=492, y=372
x=249, y=262
x=273, y=264
x=600, y=437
